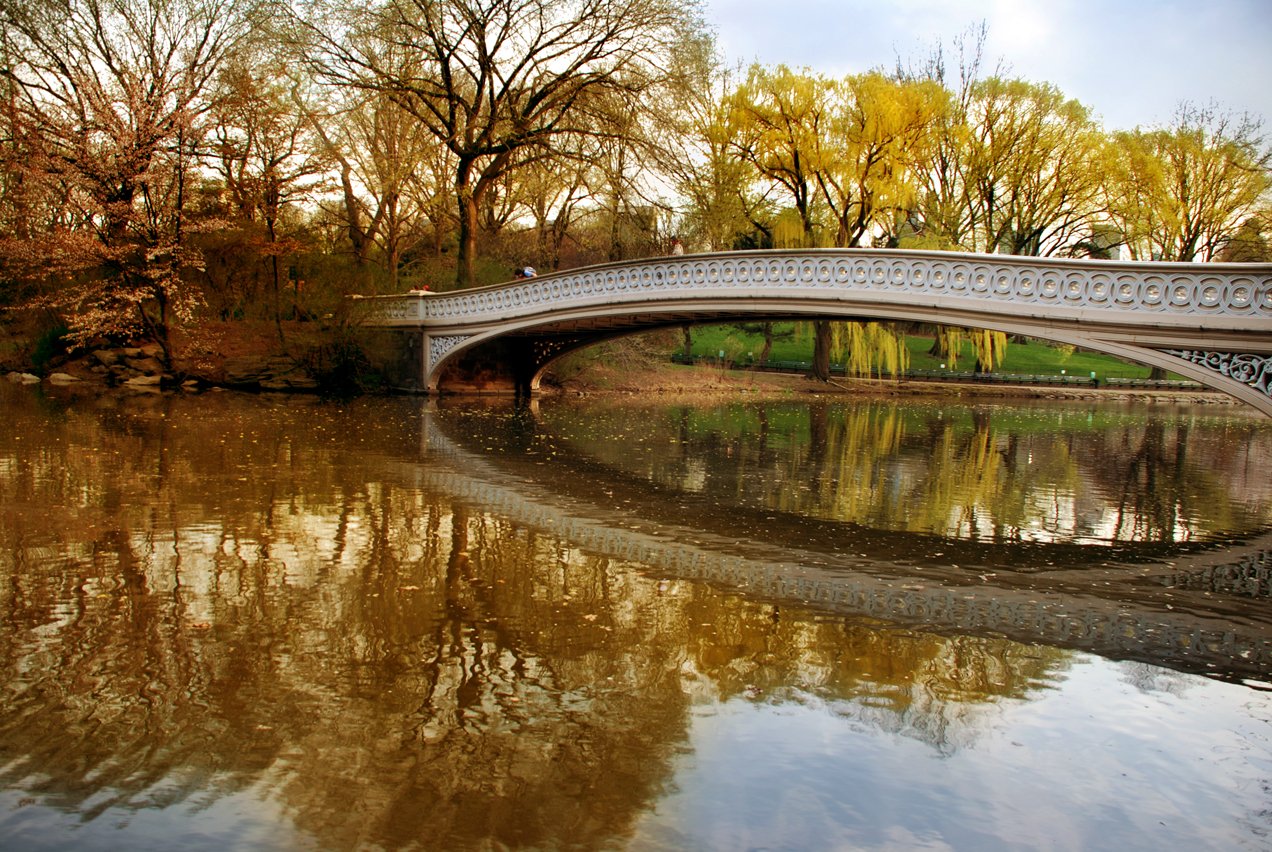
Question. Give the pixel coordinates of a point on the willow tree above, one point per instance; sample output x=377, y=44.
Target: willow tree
x=1031, y=167
x=110, y=95
x=776, y=118
x=878, y=137
x=1184, y=192
x=494, y=80
x=988, y=347
x=696, y=151
x=941, y=217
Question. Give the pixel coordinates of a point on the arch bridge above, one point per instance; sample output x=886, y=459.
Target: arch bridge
x=1211, y=322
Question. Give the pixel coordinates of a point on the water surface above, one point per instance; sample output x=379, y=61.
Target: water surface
x=282, y=623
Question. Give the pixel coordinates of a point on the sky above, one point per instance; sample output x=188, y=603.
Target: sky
x=1132, y=62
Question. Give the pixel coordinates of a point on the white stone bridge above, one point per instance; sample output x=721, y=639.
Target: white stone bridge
x=1211, y=322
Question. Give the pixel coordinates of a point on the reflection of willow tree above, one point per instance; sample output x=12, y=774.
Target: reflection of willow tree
x=864, y=439
x=977, y=481
x=965, y=485
x=863, y=463
x=965, y=472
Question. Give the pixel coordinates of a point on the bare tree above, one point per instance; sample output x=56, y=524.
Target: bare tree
x=495, y=79
x=263, y=149
x=694, y=150
x=393, y=179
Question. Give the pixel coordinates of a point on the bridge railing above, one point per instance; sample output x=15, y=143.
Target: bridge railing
x=1162, y=293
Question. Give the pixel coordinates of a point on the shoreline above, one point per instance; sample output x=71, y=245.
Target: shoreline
x=711, y=382
x=691, y=382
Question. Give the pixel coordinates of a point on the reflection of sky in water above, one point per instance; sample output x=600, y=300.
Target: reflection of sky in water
x=1117, y=756
x=252, y=818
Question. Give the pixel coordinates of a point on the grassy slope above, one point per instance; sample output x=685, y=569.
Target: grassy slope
x=1034, y=357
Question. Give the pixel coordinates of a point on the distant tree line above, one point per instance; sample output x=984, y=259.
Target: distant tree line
x=169, y=162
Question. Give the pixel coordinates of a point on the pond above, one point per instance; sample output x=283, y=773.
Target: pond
x=271, y=622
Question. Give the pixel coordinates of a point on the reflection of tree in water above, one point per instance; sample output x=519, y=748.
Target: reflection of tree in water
x=112, y=697
x=970, y=472
x=1153, y=679
x=934, y=688
x=390, y=666
x=1176, y=482
x=522, y=707
x=393, y=713
x=396, y=670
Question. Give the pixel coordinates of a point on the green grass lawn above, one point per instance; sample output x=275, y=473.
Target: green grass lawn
x=1034, y=357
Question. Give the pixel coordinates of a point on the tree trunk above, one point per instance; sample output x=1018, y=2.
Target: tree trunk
x=465, y=261
x=276, y=280
x=393, y=257
x=821, y=350
x=158, y=327
x=359, y=240
x=468, y=198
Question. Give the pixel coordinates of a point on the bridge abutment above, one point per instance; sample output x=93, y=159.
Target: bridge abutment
x=397, y=354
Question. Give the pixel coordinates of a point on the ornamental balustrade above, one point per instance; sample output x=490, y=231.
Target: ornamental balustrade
x=1212, y=322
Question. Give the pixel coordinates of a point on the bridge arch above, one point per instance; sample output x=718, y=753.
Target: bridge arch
x=1211, y=322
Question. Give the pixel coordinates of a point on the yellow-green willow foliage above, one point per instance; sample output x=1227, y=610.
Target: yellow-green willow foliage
x=788, y=232
x=776, y=119
x=869, y=347
x=877, y=135
x=989, y=347
x=1030, y=168
x=1183, y=193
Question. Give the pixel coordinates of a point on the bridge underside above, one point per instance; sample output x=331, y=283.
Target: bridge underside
x=511, y=361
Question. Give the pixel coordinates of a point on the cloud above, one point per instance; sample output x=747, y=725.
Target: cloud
x=1131, y=62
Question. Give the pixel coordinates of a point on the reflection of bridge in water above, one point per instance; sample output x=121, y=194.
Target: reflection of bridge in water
x=1200, y=609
